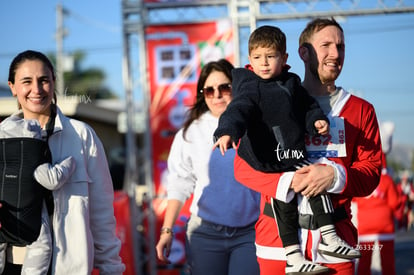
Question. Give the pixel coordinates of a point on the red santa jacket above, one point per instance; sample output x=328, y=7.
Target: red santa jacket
x=360, y=171
x=375, y=213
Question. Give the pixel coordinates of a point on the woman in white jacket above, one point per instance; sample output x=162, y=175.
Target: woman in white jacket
x=220, y=232
x=83, y=220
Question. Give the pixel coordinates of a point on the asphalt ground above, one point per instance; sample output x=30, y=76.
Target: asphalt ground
x=404, y=255
x=404, y=252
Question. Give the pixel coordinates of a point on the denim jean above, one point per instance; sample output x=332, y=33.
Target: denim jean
x=220, y=250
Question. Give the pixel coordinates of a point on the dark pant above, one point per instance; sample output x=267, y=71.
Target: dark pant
x=287, y=216
x=221, y=250
x=12, y=269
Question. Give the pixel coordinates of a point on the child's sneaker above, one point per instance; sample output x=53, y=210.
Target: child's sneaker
x=338, y=248
x=305, y=267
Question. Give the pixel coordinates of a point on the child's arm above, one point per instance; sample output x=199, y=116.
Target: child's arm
x=53, y=177
x=223, y=143
x=243, y=108
x=322, y=126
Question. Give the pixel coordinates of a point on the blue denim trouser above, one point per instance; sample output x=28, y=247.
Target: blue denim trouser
x=221, y=250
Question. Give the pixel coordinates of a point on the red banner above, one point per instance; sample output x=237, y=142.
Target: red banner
x=175, y=55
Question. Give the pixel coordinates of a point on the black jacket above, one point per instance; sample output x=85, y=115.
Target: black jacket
x=268, y=115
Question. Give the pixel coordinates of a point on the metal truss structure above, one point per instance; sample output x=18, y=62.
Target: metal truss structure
x=245, y=16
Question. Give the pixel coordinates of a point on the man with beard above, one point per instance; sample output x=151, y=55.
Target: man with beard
x=353, y=149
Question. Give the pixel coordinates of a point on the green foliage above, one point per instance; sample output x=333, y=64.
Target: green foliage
x=88, y=82
x=395, y=166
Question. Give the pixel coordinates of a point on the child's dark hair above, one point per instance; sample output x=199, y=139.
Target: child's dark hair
x=268, y=37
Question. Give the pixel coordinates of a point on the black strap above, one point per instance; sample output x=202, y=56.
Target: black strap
x=50, y=125
x=306, y=221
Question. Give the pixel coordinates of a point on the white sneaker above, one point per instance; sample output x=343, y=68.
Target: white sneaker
x=339, y=248
x=305, y=267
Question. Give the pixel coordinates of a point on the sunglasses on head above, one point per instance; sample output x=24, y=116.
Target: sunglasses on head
x=224, y=89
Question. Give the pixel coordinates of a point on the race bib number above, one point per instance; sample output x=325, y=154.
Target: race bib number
x=331, y=145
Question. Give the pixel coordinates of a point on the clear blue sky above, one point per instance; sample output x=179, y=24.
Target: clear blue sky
x=378, y=65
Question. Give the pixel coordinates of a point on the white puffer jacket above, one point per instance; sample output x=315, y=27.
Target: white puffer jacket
x=83, y=219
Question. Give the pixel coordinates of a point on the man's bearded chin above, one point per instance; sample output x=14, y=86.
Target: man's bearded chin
x=329, y=77
x=323, y=77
